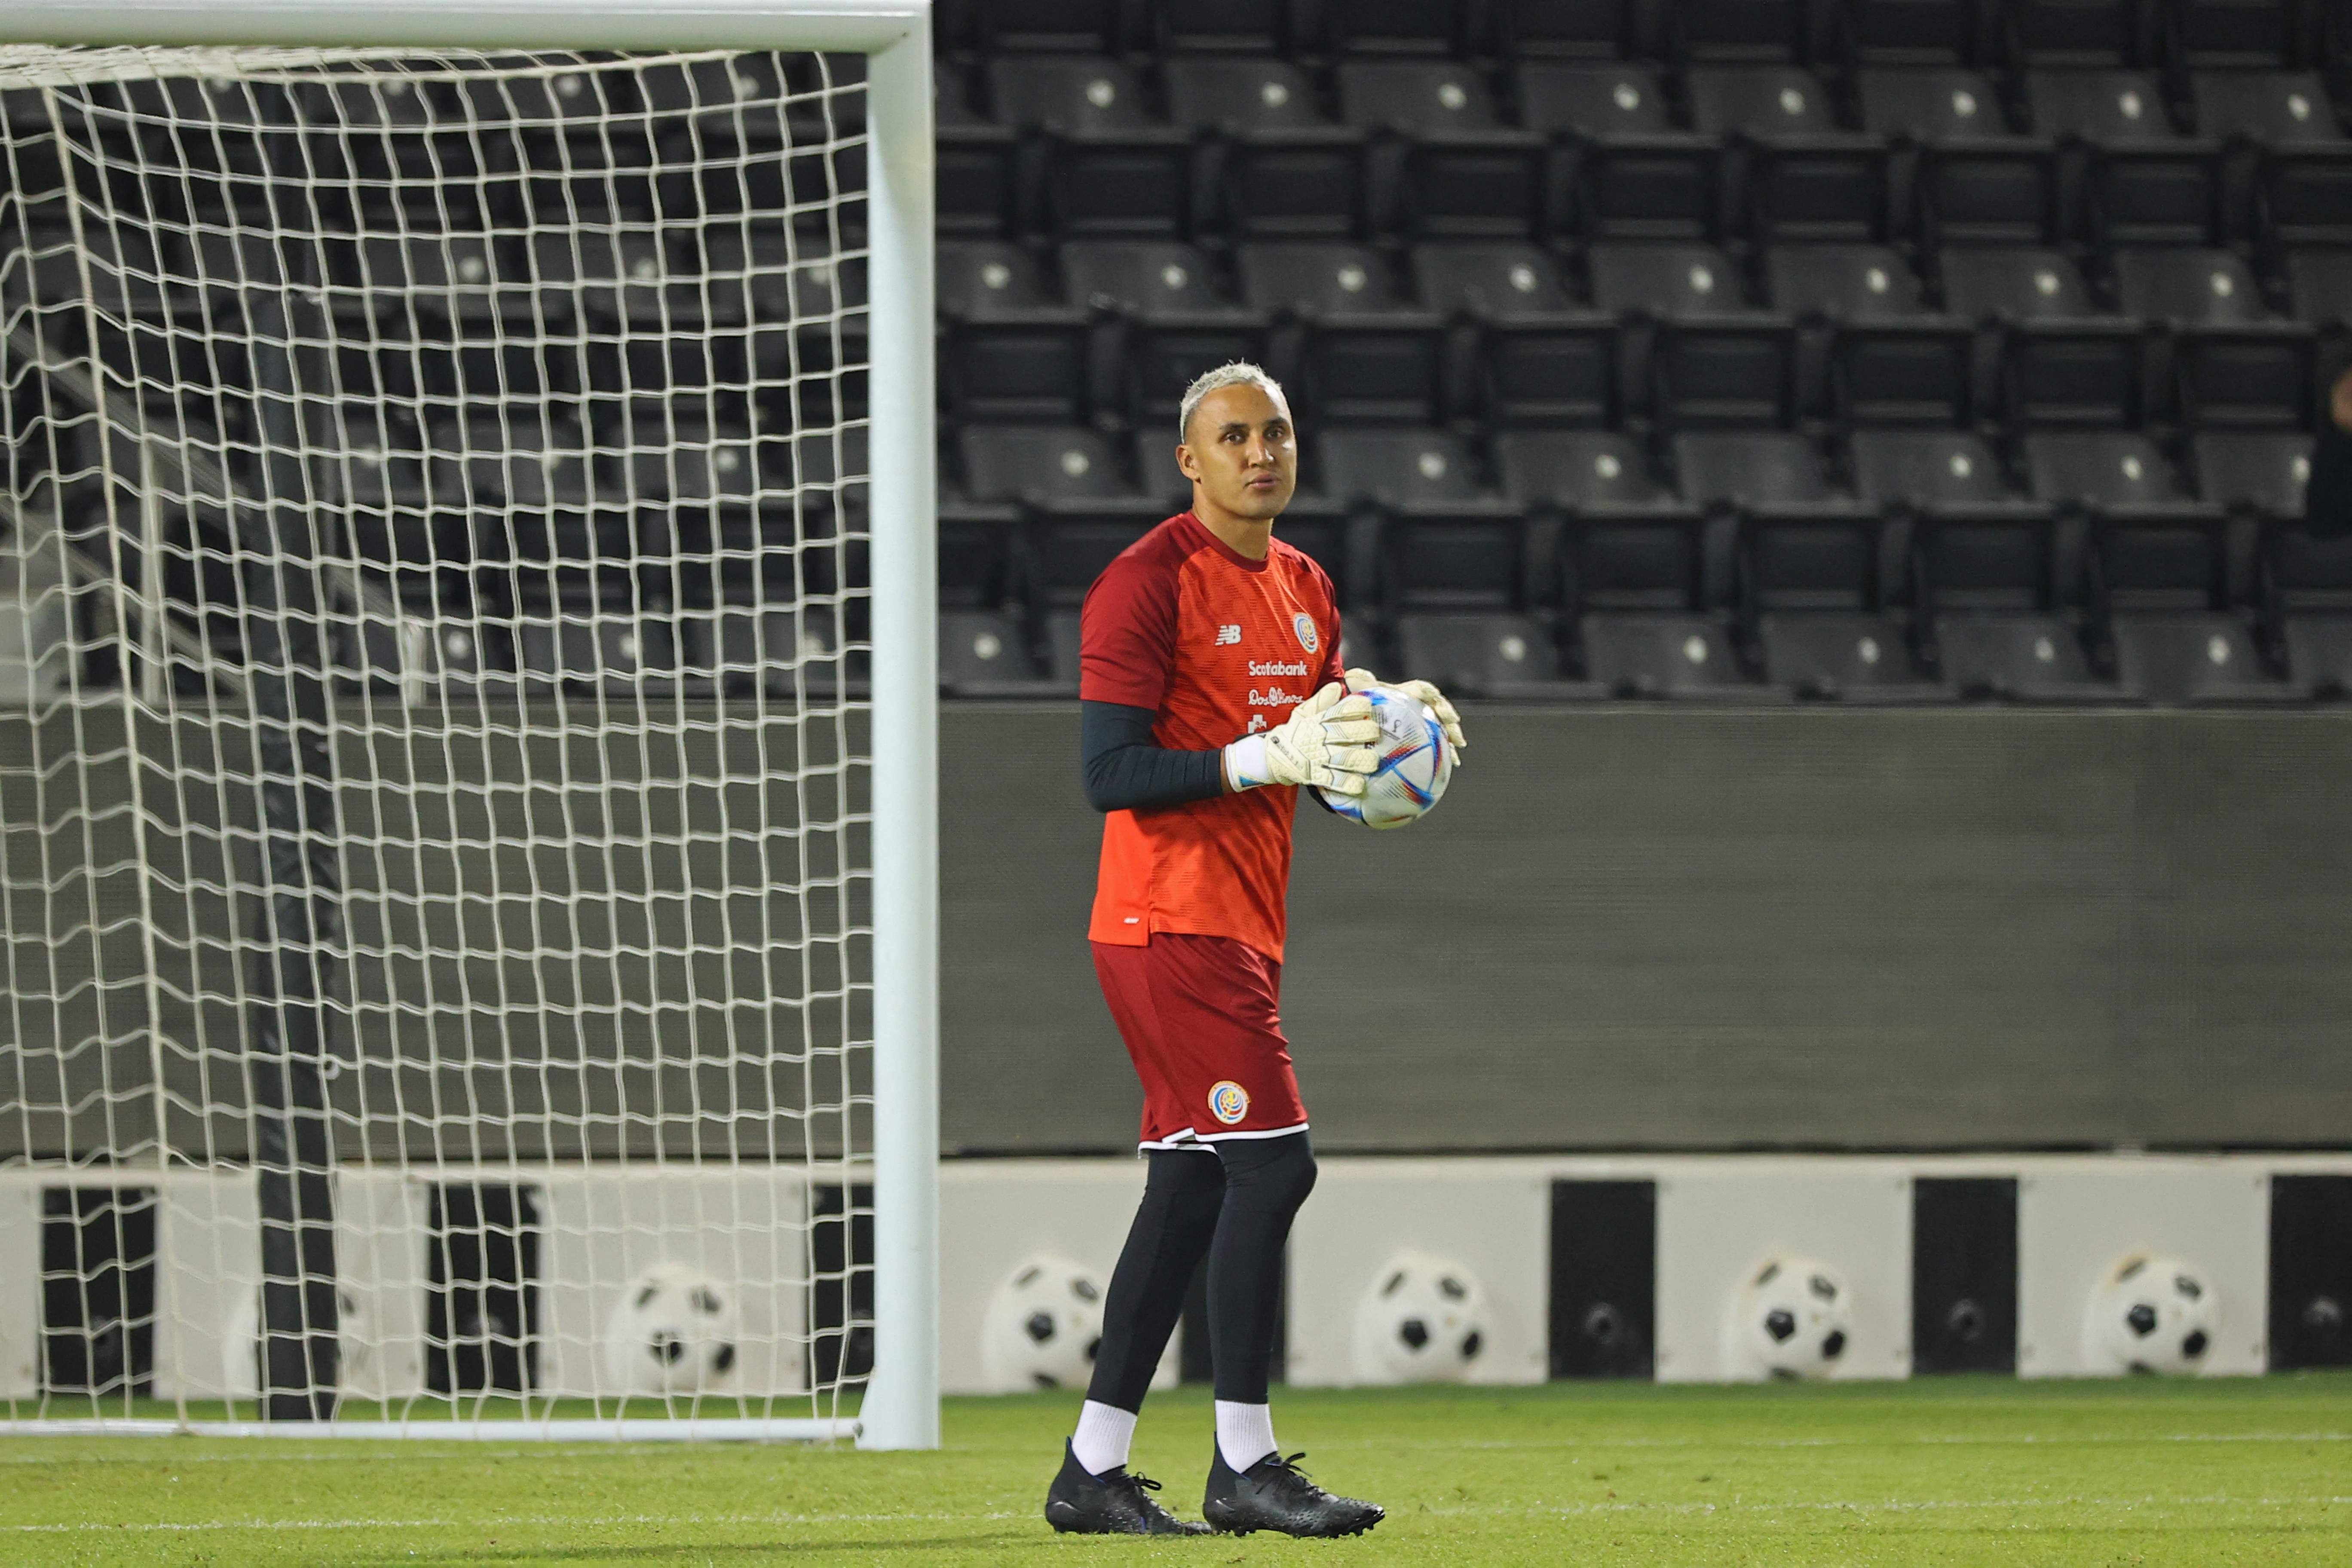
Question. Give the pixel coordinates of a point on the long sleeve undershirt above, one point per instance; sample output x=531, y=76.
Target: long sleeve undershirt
x=1126, y=770
x=2327, y=494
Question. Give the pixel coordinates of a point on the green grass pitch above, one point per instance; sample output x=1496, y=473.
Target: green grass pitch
x=1943, y=1471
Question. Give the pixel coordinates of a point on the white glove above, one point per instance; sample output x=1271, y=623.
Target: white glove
x=1421, y=692
x=1328, y=742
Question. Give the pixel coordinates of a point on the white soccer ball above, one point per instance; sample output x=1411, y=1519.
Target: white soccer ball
x=2151, y=1313
x=360, y=1361
x=1042, y=1327
x=673, y=1331
x=1792, y=1317
x=1422, y=1320
x=1416, y=765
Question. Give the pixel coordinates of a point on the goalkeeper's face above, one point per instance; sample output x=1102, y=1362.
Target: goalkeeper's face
x=1240, y=453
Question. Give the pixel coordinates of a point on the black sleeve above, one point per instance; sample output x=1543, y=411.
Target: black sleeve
x=2327, y=494
x=1127, y=771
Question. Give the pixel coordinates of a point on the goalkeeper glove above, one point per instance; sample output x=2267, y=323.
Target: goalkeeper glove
x=1328, y=742
x=1421, y=692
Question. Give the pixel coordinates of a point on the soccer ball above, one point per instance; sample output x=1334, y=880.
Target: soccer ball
x=1793, y=1317
x=360, y=1354
x=1422, y=1321
x=1042, y=1327
x=672, y=1332
x=2151, y=1313
x=1415, y=764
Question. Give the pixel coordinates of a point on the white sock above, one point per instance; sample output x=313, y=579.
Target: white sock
x=1245, y=1433
x=1105, y=1434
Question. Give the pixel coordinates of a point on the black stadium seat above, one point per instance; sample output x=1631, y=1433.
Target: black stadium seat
x=1929, y=105
x=1239, y=96
x=2270, y=108
x=1577, y=469
x=1616, y=99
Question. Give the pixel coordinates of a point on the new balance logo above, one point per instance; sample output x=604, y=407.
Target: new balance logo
x=1229, y=636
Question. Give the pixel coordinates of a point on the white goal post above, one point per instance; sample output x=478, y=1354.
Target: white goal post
x=735, y=665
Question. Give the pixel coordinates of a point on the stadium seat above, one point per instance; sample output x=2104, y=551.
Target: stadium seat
x=1039, y=463
x=2076, y=32
x=2199, y=287
x=2110, y=470
x=2242, y=35
x=1724, y=371
x=1295, y=184
x=588, y=643
x=1929, y=105
x=1642, y=588
x=1070, y=95
x=2153, y=195
x=1395, y=468
x=1571, y=29
x=1418, y=98
x=980, y=192
x=1841, y=282
x=1240, y=96
x=675, y=460
x=1736, y=30
x=2270, y=108
x=1759, y=100
x=1474, y=185
x=1367, y=353
x=2085, y=374
x=2012, y=284
x=2303, y=196
x=2257, y=376
x=2320, y=284
x=2162, y=584
x=1669, y=280
x=1911, y=32
x=1143, y=279
x=2307, y=589
x=1653, y=188
x=785, y=651
x=1934, y=470
x=1091, y=26
x=1833, y=188
x=1601, y=102
x=2264, y=472
x=986, y=277
x=1394, y=27
x=1480, y=653
x=1752, y=468
x=1918, y=372
x=1136, y=184
x=1577, y=470
x=1990, y=193
x=2104, y=107
x=1498, y=282
x=1031, y=366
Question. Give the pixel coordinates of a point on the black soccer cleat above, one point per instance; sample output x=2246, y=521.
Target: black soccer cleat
x=1116, y=1502
x=1275, y=1494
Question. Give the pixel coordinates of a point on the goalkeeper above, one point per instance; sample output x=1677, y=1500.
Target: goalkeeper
x=1211, y=688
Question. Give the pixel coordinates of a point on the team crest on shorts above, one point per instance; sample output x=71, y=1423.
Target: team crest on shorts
x=1304, y=625
x=1229, y=1101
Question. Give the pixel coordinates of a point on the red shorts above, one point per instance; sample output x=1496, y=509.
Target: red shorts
x=1201, y=1018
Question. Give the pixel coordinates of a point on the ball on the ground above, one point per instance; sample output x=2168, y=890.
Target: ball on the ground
x=1042, y=1327
x=2151, y=1313
x=1422, y=1320
x=673, y=1331
x=1416, y=765
x=1792, y=1317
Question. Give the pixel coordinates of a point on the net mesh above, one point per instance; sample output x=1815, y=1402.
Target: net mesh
x=432, y=733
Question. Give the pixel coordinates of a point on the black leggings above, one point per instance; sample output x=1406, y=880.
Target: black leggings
x=1234, y=1207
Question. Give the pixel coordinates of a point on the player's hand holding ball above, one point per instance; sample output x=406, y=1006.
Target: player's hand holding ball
x=1420, y=739
x=1422, y=692
x=1326, y=744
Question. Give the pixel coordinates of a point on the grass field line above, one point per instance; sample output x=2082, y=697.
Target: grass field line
x=1473, y=1510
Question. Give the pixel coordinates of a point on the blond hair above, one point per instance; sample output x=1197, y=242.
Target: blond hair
x=1239, y=372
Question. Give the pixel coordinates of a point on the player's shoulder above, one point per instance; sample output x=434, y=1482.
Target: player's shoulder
x=1290, y=558
x=1157, y=557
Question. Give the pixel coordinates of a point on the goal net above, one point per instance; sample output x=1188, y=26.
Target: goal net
x=438, y=718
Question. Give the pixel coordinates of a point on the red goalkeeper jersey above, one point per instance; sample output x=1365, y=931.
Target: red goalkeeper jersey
x=1220, y=647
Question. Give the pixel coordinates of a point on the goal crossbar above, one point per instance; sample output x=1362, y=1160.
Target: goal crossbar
x=901, y=1408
